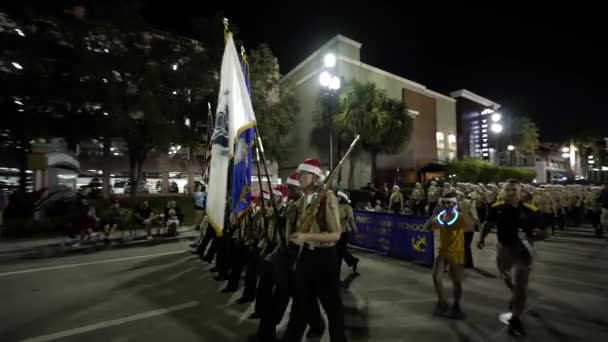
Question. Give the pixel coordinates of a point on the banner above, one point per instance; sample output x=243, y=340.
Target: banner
x=400, y=236
x=234, y=123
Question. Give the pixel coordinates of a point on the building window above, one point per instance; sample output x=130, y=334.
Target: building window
x=451, y=155
x=440, y=140
x=452, y=142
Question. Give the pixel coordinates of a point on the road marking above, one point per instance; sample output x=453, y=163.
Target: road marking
x=87, y=263
x=114, y=322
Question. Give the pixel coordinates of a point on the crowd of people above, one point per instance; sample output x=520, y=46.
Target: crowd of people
x=87, y=226
x=285, y=261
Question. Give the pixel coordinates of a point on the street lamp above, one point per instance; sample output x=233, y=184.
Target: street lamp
x=511, y=148
x=496, y=117
x=329, y=60
x=565, y=149
x=496, y=128
x=331, y=83
x=565, y=155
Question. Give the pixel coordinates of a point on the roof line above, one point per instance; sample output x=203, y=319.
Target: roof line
x=338, y=37
x=396, y=77
x=475, y=98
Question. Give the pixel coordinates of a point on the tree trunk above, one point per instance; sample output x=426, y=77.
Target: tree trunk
x=374, y=162
x=105, y=180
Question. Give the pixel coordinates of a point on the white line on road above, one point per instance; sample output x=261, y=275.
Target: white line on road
x=87, y=263
x=114, y=322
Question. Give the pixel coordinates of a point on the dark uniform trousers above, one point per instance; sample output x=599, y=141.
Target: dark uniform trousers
x=343, y=252
x=316, y=277
x=240, y=256
x=468, y=255
x=481, y=213
x=251, y=272
x=419, y=207
x=210, y=236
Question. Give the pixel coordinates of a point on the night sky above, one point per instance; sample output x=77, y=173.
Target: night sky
x=548, y=63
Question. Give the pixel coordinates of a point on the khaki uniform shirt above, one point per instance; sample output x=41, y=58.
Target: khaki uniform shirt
x=433, y=194
x=347, y=219
x=469, y=214
x=417, y=194
x=332, y=217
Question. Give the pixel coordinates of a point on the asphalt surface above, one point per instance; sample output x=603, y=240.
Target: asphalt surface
x=161, y=293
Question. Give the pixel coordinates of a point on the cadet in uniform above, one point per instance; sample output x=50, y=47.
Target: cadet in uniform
x=418, y=198
x=432, y=196
x=396, y=200
x=314, y=251
x=348, y=225
x=471, y=221
x=515, y=222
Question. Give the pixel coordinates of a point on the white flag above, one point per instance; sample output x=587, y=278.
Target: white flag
x=234, y=113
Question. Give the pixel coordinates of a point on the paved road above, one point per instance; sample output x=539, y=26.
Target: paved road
x=161, y=293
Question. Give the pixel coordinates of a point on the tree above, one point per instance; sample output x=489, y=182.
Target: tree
x=275, y=105
x=382, y=122
x=525, y=135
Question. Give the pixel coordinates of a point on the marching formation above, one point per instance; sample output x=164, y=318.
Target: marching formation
x=296, y=255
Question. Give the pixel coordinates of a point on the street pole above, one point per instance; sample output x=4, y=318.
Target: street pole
x=331, y=132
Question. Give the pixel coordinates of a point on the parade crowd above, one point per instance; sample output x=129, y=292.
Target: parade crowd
x=283, y=260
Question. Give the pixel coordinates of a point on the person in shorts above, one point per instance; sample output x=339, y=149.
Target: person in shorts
x=143, y=217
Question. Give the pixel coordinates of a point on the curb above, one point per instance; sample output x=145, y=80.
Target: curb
x=59, y=250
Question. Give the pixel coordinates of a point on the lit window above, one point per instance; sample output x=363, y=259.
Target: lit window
x=451, y=155
x=452, y=142
x=440, y=140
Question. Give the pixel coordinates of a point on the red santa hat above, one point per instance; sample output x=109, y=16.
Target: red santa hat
x=281, y=190
x=294, y=179
x=311, y=165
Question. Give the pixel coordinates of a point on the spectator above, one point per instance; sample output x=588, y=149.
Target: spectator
x=174, y=217
x=378, y=206
x=368, y=206
x=396, y=200
x=200, y=203
x=143, y=217
x=113, y=220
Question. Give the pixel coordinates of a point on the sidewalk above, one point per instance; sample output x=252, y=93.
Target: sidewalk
x=62, y=245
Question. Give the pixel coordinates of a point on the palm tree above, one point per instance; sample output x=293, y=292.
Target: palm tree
x=383, y=123
x=526, y=135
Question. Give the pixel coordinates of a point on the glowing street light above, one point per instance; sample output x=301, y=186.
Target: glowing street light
x=496, y=128
x=329, y=60
x=17, y=102
x=496, y=117
x=565, y=149
x=511, y=148
x=17, y=65
x=174, y=67
x=19, y=32
x=335, y=83
x=590, y=157
x=325, y=79
x=565, y=155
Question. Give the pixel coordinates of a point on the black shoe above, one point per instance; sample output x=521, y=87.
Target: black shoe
x=469, y=266
x=315, y=333
x=245, y=300
x=516, y=327
x=456, y=313
x=510, y=306
x=355, y=265
x=227, y=289
x=214, y=270
x=194, y=245
x=254, y=315
x=440, y=308
x=208, y=260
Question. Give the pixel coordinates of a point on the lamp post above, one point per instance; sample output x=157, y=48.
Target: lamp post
x=330, y=84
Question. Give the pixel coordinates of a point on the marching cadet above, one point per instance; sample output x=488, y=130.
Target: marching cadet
x=471, y=222
x=242, y=240
x=515, y=222
x=546, y=207
x=396, y=200
x=477, y=200
x=592, y=208
x=432, y=196
x=348, y=225
x=313, y=249
x=418, y=198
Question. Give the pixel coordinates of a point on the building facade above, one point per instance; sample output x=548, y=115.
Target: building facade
x=434, y=116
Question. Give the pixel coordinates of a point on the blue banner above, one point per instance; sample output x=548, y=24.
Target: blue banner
x=396, y=235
